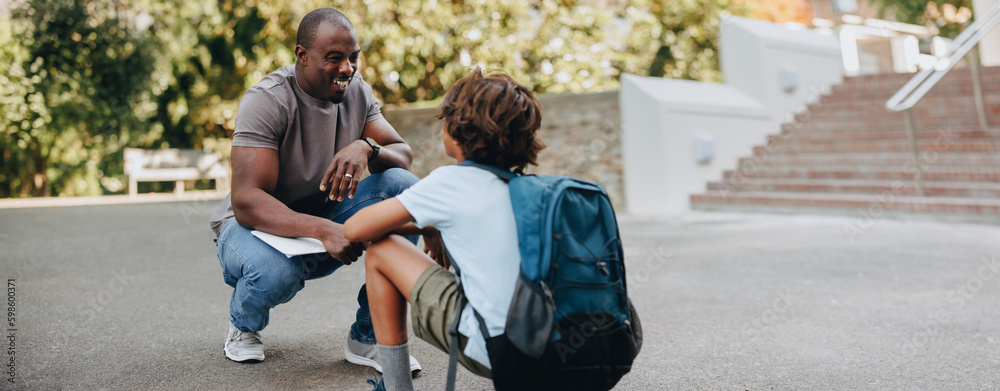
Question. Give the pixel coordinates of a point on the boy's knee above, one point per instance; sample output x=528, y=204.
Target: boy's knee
x=377, y=250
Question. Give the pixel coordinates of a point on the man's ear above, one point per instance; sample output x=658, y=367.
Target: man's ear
x=302, y=55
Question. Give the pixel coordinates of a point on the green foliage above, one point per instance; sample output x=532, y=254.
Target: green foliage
x=94, y=76
x=949, y=16
x=676, y=39
x=212, y=52
x=572, y=50
x=86, y=68
x=14, y=87
x=411, y=49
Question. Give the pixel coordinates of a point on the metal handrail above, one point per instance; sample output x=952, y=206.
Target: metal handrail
x=917, y=87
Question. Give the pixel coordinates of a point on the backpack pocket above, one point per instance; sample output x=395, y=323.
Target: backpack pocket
x=530, y=318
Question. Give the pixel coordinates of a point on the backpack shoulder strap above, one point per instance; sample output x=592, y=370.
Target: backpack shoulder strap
x=453, y=329
x=504, y=175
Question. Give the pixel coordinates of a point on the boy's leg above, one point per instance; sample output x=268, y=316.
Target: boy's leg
x=392, y=267
x=431, y=290
x=373, y=189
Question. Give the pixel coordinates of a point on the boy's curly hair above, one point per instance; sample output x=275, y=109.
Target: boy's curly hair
x=494, y=119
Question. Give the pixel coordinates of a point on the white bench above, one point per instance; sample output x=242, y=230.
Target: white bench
x=176, y=165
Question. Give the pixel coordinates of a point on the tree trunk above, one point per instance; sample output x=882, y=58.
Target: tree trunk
x=39, y=179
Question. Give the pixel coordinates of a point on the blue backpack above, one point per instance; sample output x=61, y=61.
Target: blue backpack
x=570, y=324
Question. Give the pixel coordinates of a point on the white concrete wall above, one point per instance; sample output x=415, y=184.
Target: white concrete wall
x=989, y=47
x=754, y=53
x=661, y=119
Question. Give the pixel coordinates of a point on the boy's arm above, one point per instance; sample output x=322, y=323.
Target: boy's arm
x=389, y=216
x=410, y=229
x=376, y=221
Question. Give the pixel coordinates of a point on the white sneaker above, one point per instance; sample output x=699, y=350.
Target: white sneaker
x=244, y=346
x=367, y=355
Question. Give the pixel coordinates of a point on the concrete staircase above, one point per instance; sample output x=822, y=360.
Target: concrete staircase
x=849, y=155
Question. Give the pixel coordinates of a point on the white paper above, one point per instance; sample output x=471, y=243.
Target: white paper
x=291, y=246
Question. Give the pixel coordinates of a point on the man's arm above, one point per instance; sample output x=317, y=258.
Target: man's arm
x=395, y=151
x=255, y=175
x=353, y=159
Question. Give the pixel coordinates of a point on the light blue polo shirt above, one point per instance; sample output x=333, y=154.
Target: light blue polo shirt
x=471, y=207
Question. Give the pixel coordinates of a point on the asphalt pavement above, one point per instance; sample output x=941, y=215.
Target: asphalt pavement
x=131, y=297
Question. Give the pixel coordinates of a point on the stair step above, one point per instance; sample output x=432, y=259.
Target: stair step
x=798, y=127
x=959, y=108
x=898, y=123
x=898, y=146
x=847, y=153
x=876, y=103
x=895, y=81
x=854, y=136
x=943, y=88
x=898, y=187
x=931, y=172
x=869, y=159
x=864, y=206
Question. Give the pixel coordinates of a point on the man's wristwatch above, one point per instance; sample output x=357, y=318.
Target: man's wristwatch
x=375, y=147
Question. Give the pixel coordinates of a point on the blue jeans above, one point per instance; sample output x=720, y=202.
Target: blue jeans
x=264, y=277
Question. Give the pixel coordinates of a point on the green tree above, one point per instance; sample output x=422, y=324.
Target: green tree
x=86, y=66
x=948, y=16
x=14, y=87
x=676, y=39
x=211, y=52
x=572, y=50
x=413, y=49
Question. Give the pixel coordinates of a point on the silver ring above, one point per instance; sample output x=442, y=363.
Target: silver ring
x=347, y=176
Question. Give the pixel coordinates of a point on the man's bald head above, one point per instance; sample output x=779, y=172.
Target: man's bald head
x=310, y=24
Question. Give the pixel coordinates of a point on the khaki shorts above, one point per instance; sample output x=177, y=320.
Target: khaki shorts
x=435, y=298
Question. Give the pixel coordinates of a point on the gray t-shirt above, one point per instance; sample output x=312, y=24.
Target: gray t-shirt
x=277, y=114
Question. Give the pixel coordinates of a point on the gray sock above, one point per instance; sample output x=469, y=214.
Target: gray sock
x=395, y=362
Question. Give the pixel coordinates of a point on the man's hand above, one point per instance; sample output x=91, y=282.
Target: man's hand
x=339, y=247
x=343, y=174
x=434, y=247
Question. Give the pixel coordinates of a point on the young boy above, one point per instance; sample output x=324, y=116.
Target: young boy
x=490, y=120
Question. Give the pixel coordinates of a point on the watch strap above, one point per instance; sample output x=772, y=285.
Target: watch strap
x=375, y=147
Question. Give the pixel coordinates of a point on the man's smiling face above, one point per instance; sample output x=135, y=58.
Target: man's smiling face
x=327, y=68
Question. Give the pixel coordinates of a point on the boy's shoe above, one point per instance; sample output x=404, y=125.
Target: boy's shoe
x=379, y=386
x=243, y=346
x=367, y=355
